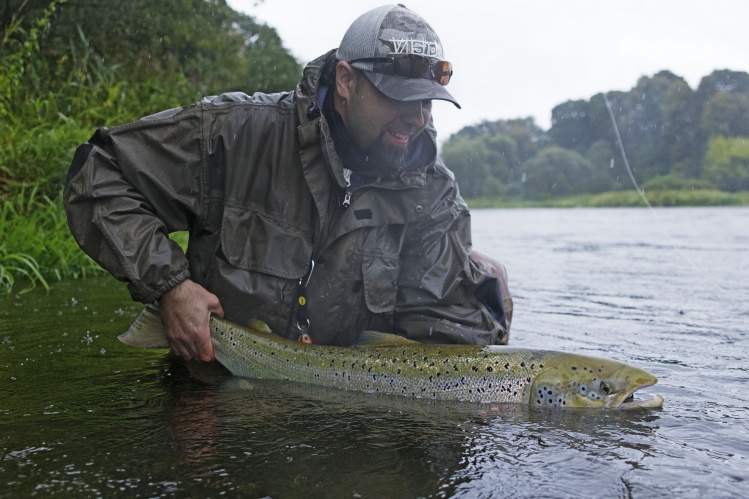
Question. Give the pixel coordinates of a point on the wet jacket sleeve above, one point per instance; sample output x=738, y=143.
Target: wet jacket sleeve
x=443, y=295
x=128, y=187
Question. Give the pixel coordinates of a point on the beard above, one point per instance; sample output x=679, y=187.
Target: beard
x=384, y=159
x=378, y=158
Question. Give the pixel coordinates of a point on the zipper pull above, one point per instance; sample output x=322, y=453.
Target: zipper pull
x=347, y=197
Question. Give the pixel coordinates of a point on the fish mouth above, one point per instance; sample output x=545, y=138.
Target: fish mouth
x=655, y=402
x=627, y=401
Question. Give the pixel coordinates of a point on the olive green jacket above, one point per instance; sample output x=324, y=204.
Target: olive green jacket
x=257, y=183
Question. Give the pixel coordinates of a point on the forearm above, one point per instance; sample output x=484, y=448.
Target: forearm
x=122, y=234
x=123, y=198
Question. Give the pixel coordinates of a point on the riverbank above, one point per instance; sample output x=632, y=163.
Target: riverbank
x=696, y=197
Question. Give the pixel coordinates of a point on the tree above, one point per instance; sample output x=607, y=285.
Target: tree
x=215, y=47
x=570, y=126
x=556, y=172
x=664, y=126
x=726, y=114
x=655, y=119
x=528, y=137
x=715, y=94
x=727, y=163
x=610, y=173
x=478, y=163
x=69, y=67
x=648, y=123
x=681, y=130
x=722, y=81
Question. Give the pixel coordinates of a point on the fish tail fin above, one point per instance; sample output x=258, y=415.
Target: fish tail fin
x=147, y=331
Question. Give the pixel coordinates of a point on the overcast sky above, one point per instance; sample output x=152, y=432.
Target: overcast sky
x=521, y=58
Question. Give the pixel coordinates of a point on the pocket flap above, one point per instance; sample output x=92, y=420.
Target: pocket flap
x=380, y=276
x=256, y=241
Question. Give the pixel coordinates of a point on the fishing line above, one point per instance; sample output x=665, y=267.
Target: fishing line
x=634, y=181
x=624, y=155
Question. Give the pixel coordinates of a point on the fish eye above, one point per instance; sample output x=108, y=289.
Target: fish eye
x=605, y=387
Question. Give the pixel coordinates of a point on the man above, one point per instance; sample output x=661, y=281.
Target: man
x=322, y=212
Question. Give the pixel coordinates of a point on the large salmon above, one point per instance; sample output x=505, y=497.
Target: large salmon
x=390, y=364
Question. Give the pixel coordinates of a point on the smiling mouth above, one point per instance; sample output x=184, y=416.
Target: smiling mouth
x=398, y=138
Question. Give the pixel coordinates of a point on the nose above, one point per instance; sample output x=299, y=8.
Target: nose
x=416, y=113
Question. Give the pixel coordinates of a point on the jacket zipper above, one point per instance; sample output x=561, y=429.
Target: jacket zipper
x=347, y=196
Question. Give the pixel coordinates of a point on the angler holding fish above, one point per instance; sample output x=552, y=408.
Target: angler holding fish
x=322, y=212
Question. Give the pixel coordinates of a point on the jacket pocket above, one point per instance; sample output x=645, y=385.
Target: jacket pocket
x=255, y=241
x=380, y=275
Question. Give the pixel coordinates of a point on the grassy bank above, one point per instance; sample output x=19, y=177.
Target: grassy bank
x=36, y=245
x=702, y=197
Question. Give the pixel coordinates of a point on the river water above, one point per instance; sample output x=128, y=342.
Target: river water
x=666, y=290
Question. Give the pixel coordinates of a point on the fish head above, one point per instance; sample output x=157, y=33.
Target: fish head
x=569, y=380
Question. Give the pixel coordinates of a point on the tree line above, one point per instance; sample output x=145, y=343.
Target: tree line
x=675, y=137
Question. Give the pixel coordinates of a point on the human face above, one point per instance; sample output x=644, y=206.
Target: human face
x=382, y=128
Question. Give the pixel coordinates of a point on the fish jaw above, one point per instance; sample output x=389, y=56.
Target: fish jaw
x=571, y=380
x=626, y=400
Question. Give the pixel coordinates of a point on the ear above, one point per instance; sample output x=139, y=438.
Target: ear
x=345, y=80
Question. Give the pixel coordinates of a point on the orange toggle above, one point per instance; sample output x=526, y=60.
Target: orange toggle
x=304, y=338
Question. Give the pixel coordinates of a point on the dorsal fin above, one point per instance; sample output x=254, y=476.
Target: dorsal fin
x=259, y=326
x=380, y=339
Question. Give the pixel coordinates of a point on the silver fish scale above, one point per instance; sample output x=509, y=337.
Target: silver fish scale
x=469, y=373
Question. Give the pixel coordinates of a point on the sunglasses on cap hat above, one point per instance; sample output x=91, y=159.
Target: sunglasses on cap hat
x=410, y=66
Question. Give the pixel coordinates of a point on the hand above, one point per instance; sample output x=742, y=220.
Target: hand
x=185, y=311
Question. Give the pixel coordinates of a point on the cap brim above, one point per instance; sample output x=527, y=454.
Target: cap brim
x=409, y=89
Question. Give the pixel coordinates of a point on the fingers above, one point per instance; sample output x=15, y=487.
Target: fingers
x=186, y=310
x=189, y=337
x=215, y=308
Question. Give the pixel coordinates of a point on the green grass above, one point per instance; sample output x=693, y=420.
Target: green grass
x=36, y=245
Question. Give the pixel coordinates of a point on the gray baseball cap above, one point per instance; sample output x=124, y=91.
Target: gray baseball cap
x=395, y=31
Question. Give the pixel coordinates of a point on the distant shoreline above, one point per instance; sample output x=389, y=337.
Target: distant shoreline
x=661, y=198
